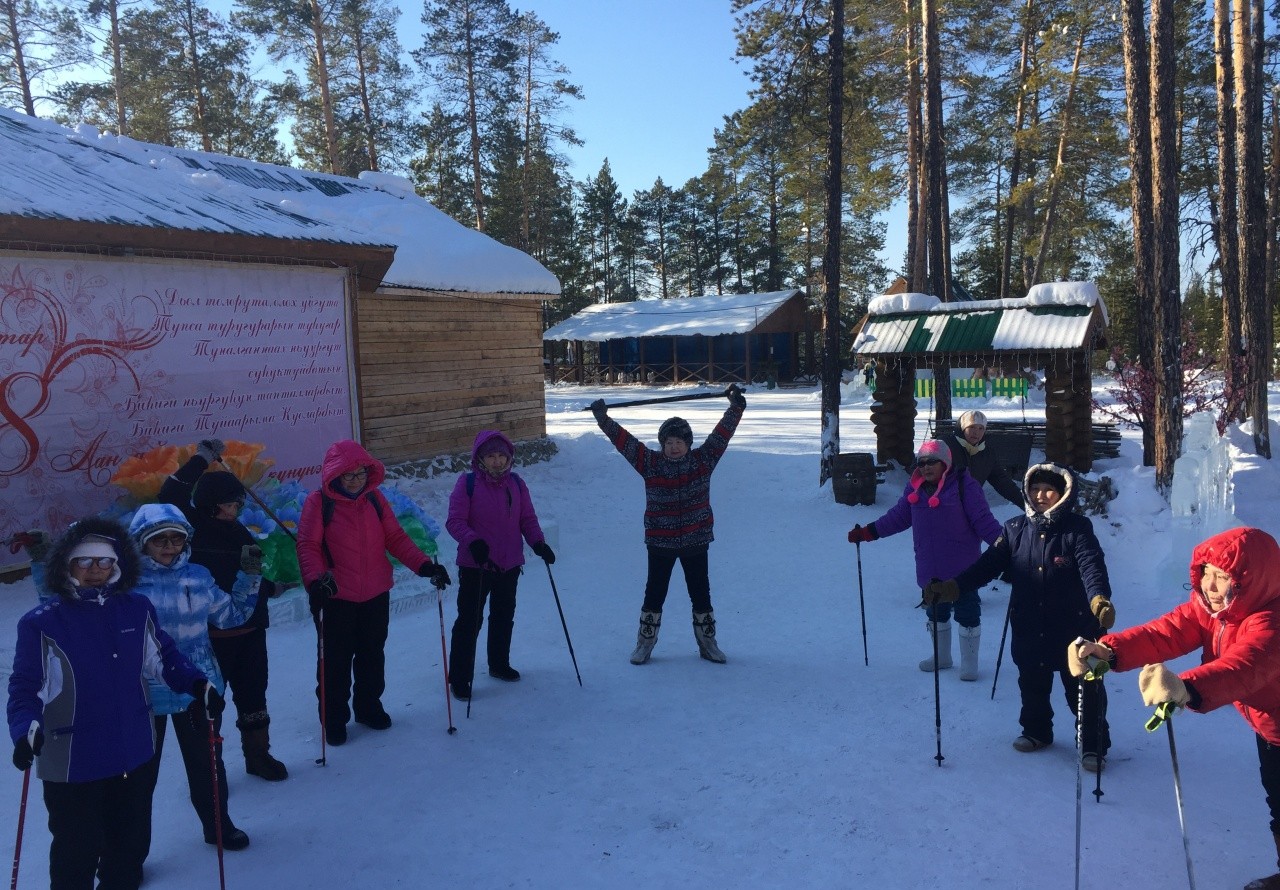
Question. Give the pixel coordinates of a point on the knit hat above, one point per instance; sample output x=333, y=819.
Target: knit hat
x=93, y=546
x=1042, y=475
x=972, y=418
x=930, y=449
x=675, y=428
x=218, y=487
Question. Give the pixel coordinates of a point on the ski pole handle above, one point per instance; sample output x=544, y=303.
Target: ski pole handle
x=1163, y=712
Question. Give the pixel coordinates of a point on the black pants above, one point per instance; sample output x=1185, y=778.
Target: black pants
x=1269, y=767
x=1036, y=685
x=693, y=562
x=102, y=826
x=355, y=640
x=193, y=742
x=243, y=661
x=474, y=586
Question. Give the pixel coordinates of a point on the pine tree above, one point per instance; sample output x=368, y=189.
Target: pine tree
x=37, y=40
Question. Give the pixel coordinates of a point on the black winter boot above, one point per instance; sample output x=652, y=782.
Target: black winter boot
x=255, y=741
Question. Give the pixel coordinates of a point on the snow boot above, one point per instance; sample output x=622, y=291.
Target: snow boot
x=256, y=744
x=647, y=637
x=704, y=630
x=232, y=838
x=505, y=673
x=944, y=646
x=969, y=638
x=1271, y=882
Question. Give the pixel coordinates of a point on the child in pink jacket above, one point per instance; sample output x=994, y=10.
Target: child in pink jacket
x=345, y=532
x=490, y=516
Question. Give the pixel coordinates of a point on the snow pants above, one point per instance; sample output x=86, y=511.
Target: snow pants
x=474, y=585
x=1035, y=682
x=355, y=640
x=243, y=661
x=1269, y=767
x=693, y=562
x=101, y=827
x=193, y=742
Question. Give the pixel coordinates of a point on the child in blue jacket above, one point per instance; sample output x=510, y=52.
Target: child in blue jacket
x=79, y=706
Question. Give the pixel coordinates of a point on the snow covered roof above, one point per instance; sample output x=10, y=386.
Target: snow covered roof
x=1055, y=315
x=51, y=172
x=708, y=316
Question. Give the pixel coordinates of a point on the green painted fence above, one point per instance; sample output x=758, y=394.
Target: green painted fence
x=1009, y=387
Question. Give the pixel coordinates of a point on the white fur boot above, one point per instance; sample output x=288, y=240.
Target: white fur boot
x=944, y=646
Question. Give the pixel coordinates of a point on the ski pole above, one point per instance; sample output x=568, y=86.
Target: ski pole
x=556, y=594
x=22, y=811
x=1164, y=714
x=660, y=400
x=1098, y=699
x=217, y=808
x=937, y=693
x=1000, y=655
x=862, y=606
x=444, y=662
x=322, y=760
x=1079, y=766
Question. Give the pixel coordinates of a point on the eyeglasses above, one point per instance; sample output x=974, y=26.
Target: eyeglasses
x=93, y=562
x=927, y=462
x=170, y=540
x=356, y=476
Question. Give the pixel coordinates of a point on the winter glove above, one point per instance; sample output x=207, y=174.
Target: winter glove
x=1103, y=611
x=251, y=559
x=863, y=534
x=320, y=591
x=941, y=592
x=211, y=449
x=28, y=747
x=208, y=703
x=438, y=574
x=1080, y=650
x=543, y=549
x=736, y=397
x=599, y=409
x=1158, y=685
x=38, y=544
x=479, y=551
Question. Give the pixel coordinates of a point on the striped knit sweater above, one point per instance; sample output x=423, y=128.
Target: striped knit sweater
x=677, y=509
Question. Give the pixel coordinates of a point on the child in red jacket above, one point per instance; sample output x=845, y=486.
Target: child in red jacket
x=350, y=582
x=1233, y=616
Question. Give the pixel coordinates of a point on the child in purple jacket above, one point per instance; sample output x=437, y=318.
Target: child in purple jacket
x=490, y=516
x=949, y=519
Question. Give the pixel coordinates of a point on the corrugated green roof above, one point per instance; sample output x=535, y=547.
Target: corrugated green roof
x=956, y=330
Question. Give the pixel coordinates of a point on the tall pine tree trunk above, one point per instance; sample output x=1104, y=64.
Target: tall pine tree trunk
x=1165, y=239
x=321, y=59
x=1015, y=161
x=831, y=254
x=1228, y=199
x=1055, y=181
x=935, y=179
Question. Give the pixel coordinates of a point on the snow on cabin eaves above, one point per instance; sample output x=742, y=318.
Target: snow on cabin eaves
x=52, y=172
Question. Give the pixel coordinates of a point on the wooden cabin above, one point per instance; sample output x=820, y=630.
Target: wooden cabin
x=768, y=337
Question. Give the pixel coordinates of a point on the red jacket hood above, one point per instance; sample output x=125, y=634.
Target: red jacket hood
x=1252, y=558
x=347, y=457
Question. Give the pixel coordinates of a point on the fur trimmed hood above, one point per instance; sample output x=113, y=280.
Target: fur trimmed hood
x=58, y=579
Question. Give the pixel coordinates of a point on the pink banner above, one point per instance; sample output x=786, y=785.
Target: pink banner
x=103, y=359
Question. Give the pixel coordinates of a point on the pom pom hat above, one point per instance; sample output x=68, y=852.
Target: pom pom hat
x=930, y=449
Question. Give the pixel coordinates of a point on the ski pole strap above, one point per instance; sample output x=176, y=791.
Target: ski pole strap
x=1097, y=667
x=1163, y=712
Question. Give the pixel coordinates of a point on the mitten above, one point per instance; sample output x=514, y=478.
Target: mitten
x=479, y=551
x=211, y=449
x=941, y=592
x=736, y=397
x=28, y=747
x=599, y=409
x=543, y=549
x=320, y=591
x=862, y=534
x=1158, y=685
x=208, y=703
x=37, y=543
x=1103, y=611
x=251, y=559
x=1080, y=650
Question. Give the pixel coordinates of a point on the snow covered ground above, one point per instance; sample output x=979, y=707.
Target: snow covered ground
x=793, y=765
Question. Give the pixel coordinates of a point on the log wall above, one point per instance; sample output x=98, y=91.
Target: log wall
x=437, y=367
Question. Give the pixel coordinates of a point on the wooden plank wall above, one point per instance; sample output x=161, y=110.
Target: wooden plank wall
x=437, y=367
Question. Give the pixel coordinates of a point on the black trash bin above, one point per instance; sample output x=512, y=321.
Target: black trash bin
x=853, y=478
